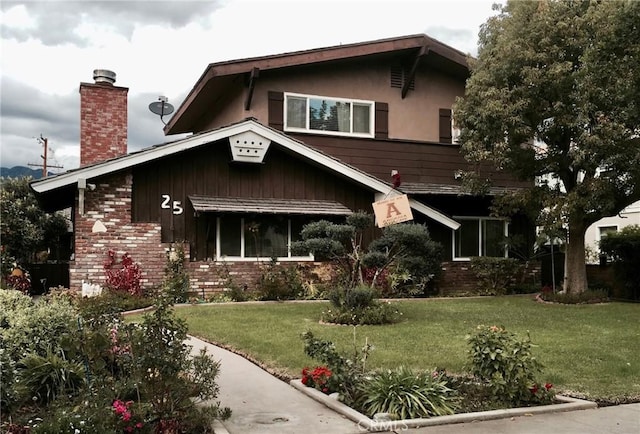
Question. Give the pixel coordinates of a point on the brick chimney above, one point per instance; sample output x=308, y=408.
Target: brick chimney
x=103, y=119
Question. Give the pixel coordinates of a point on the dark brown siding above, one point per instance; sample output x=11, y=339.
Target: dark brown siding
x=445, y=126
x=416, y=161
x=208, y=171
x=276, y=110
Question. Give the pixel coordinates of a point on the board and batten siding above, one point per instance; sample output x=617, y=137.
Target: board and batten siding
x=208, y=171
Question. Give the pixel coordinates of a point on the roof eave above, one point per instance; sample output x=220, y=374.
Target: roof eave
x=307, y=57
x=69, y=179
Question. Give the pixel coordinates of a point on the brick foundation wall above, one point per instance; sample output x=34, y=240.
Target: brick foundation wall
x=458, y=279
x=209, y=277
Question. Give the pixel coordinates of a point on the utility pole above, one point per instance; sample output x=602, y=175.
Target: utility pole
x=44, y=165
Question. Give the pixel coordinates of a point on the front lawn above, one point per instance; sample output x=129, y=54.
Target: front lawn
x=590, y=351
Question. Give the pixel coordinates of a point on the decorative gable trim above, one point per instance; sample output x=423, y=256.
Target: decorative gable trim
x=70, y=179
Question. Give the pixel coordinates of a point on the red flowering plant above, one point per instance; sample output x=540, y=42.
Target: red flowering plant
x=319, y=378
x=124, y=276
x=542, y=394
x=126, y=419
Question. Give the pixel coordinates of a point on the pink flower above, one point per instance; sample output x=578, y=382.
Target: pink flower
x=548, y=386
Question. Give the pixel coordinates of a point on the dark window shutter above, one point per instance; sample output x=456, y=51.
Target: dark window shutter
x=276, y=110
x=445, y=126
x=382, y=120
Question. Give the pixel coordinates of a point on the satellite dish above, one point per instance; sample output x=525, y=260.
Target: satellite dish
x=161, y=107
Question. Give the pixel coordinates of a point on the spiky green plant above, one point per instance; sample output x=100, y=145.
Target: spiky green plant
x=406, y=394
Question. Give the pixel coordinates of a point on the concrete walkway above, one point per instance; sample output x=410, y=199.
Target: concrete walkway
x=261, y=403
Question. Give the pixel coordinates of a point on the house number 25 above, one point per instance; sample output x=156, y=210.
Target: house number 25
x=176, y=206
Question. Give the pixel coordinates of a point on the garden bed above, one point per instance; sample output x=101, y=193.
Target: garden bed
x=564, y=403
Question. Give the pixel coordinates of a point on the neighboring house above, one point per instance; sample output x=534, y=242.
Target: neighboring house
x=279, y=141
x=627, y=217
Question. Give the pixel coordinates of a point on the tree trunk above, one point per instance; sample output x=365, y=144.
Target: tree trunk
x=575, y=269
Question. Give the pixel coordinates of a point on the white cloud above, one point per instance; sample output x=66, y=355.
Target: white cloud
x=162, y=48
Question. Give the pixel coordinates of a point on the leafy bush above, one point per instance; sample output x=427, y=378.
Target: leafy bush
x=176, y=278
x=358, y=306
x=25, y=228
x=495, y=275
x=107, y=306
x=507, y=365
x=123, y=276
x=405, y=394
x=278, y=282
x=346, y=373
x=35, y=327
x=624, y=248
x=407, y=247
x=97, y=362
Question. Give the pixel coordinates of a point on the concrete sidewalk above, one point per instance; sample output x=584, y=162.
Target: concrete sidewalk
x=261, y=403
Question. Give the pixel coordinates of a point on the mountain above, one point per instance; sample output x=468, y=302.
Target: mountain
x=20, y=171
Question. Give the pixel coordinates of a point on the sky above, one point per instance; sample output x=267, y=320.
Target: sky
x=162, y=47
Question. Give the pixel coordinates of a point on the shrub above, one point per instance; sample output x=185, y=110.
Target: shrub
x=495, y=275
x=346, y=373
x=358, y=306
x=407, y=247
x=405, y=394
x=176, y=278
x=278, y=282
x=508, y=366
x=624, y=248
x=36, y=327
x=145, y=368
x=124, y=276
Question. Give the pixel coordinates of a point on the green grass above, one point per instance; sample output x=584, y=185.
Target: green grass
x=587, y=350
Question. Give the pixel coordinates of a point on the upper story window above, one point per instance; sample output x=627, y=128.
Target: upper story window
x=480, y=236
x=328, y=115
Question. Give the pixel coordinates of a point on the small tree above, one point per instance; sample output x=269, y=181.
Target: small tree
x=25, y=228
x=409, y=248
x=341, y=243
x=406, y=246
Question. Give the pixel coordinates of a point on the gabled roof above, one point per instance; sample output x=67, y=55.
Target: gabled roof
x=218, y=76
x=68, y=181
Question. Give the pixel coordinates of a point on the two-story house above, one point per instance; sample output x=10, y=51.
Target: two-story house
x=276, y=142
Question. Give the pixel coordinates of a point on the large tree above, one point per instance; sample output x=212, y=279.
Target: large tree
x=554, y=96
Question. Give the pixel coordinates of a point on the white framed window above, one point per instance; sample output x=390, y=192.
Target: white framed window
x=328, y=115
x=479, y=236
x=260, y=236
x=603, y=231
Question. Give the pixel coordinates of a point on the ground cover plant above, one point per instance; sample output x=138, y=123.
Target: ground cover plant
x=588, y=351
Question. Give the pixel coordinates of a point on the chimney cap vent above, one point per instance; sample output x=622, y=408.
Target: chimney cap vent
x=104, y=76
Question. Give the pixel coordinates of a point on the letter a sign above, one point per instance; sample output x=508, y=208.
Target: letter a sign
x=393, y=210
